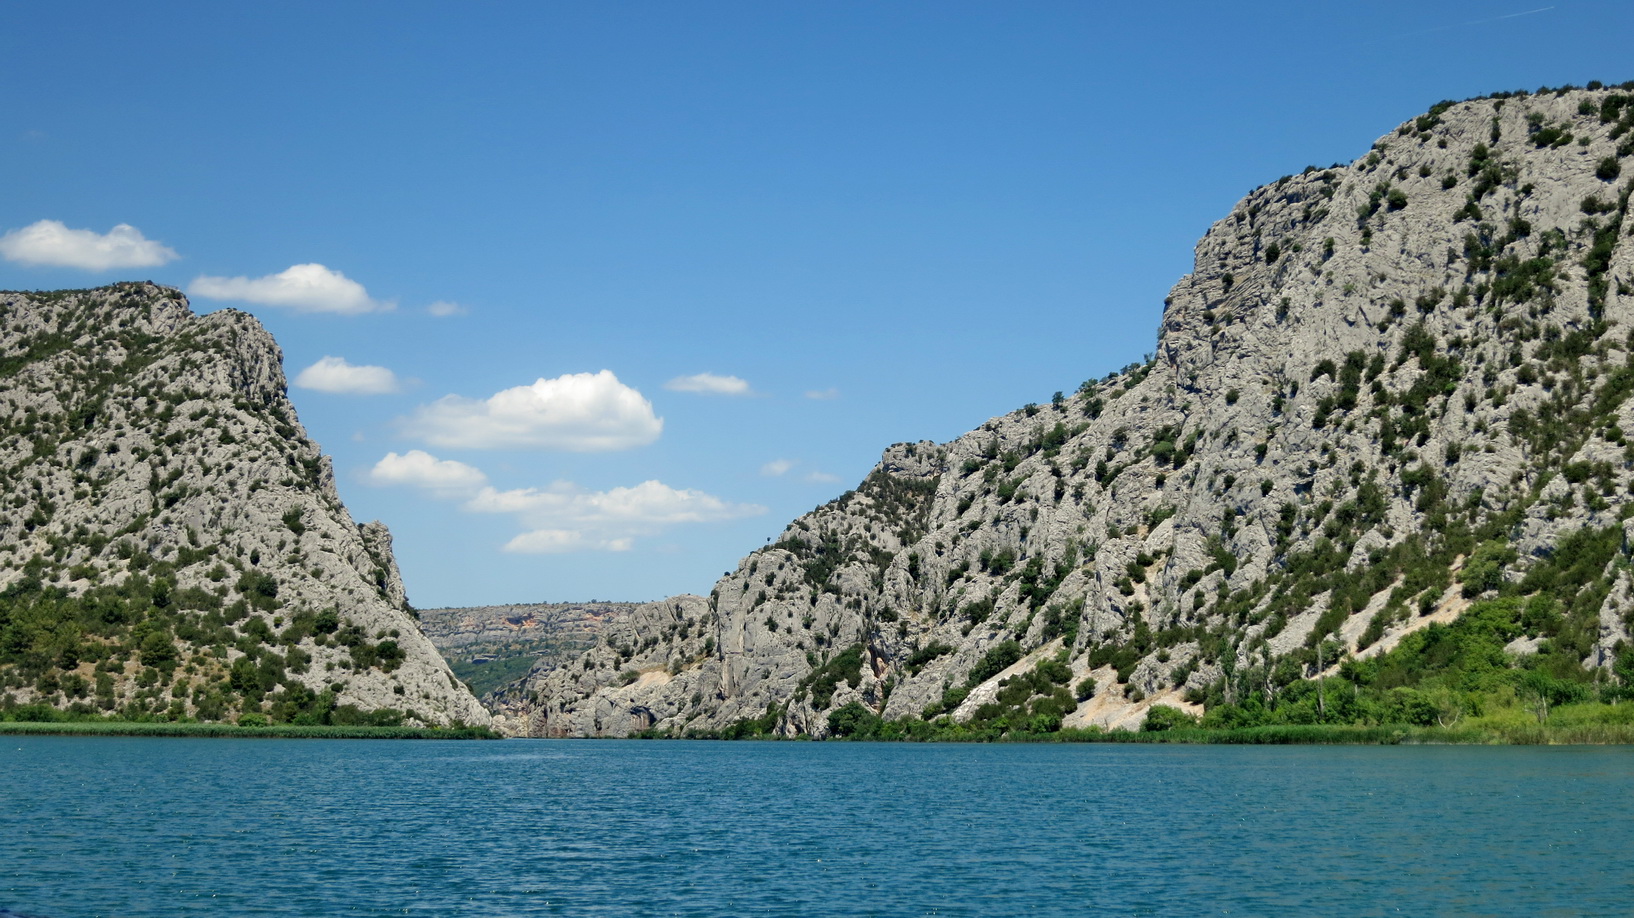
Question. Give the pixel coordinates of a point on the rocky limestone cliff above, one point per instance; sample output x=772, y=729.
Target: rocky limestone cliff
x=171, y=542
x=1386, y=389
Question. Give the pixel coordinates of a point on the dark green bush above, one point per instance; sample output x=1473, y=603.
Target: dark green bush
x=998, y=658
x=846, y=666
x=854, y=720
x=1162, y=717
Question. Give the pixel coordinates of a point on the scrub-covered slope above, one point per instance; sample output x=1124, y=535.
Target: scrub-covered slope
x=171, y=543
x=1387, y=390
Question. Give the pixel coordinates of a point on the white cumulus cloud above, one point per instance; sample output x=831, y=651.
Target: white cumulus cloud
x=303, y=288
x=579, y=412
x=334, y=374
x=419, y=469
x=563, y=517
x=708, y=384
x=50, y=242
x=777, y=468
x=644, y=506
x=442, y=309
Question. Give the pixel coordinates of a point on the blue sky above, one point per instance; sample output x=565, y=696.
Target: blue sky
x=697, y=264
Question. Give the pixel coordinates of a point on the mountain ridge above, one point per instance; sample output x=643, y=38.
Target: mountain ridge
x=172, y=545
x=491, y=646
x=1387, y=391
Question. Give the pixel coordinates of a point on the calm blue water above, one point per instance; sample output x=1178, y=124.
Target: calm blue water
x=174, y=827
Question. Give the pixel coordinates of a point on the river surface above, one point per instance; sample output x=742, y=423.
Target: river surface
x=181, y=827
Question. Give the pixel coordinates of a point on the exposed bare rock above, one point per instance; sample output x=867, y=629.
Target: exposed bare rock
x=171, y=542
x=1373, y=372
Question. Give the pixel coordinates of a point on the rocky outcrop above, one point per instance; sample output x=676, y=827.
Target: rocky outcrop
x=171, y=542
x=1385, y=388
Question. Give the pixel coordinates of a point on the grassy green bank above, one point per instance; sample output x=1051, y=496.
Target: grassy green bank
x=234, y=731
x=1279, y=735
x=1584, y=723
x=1388, y=735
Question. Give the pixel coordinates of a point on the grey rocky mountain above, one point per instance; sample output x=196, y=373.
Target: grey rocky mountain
x=171, y=541
x=1385, y=388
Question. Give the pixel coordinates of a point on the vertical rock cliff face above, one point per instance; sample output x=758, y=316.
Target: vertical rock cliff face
x=171, y=542
x=1387, y=388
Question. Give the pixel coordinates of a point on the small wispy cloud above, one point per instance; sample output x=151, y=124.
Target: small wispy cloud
x=303, y=288
x=561, y=542
x=443, y=309
x=1541, y=9
x=1431, y=30
x=823, y=394
x=335, y=375
x=52, y=243
x=778, y=468
x=708, y=384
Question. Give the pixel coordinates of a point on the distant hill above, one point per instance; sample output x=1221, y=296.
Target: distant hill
x=1378, y=468
x=171, y=542
x=491, y=646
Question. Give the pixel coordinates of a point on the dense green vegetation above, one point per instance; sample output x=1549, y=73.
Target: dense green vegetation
x=192, y=653
x=1445, y=674
x=845, y=667
x=1581, y=724
x=491, y=674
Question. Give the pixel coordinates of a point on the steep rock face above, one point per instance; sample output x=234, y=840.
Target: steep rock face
x=1385, y=388
x=171, y=542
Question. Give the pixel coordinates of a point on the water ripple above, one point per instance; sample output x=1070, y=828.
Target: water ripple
x=136, y=827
